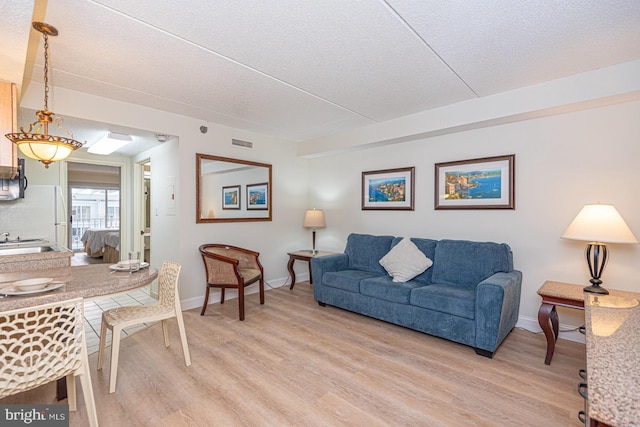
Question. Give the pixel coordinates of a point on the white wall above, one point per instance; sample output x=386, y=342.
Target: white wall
x=562, y=163
x=177, y=237
x=273, y=239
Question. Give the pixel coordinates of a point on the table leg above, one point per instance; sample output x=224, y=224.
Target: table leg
x=554, y=322
x=310, y=277
x=61, y=388
x=291, y=272
x=546, y=314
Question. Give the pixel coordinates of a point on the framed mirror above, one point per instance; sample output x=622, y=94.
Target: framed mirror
x=232, y=190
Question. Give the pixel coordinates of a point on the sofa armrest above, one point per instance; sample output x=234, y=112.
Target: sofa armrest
x=497, y=308
x=324, y=264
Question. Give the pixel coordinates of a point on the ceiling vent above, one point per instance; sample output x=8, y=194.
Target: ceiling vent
x=242, y=144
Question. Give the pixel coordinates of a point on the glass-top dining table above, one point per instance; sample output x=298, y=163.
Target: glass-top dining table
x=88, y=282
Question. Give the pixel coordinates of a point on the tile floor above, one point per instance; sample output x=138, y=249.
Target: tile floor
x=93, y=315
x=93, y=309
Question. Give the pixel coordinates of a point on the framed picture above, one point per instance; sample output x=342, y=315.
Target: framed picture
x=486, y=183
x=388, y=189
x=231, y=197
x=258, y=196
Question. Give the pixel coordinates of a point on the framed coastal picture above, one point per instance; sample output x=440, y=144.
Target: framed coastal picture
x=231, y=197
x=258, y=196
x=486, y=183
x=389, y=189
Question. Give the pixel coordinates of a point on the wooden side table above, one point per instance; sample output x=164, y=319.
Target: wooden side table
x=304, y=255
x=556, y=294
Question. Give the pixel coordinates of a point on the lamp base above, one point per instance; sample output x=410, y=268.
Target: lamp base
x=596, y=289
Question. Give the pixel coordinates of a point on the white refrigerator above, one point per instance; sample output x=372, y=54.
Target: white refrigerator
x=42, y=214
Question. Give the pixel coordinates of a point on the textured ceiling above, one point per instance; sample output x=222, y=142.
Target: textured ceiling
x=304, y=69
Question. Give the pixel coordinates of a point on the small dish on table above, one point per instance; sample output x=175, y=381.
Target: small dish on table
x=13, y=290
x=124, y=266
x=34, y=284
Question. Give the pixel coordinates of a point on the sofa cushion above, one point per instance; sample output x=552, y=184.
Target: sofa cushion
x=382, y=287
x=465, y=263
x=365, y=250
x=348, y=280
x=455, y=300
x=405, y=261
x=428, y=248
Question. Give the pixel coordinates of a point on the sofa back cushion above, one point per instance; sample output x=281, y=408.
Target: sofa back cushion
x=365, y=251
x=427, y=247
x=465, y=263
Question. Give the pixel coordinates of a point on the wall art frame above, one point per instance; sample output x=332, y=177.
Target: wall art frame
x=483, y=183
x=258, y=196
x=231, y=197
x=388, y=189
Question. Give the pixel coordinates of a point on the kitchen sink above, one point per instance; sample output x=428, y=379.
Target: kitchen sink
x=23, y=250
x=18, y=240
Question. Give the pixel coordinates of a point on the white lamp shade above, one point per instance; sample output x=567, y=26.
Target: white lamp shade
x=599, y=223
x=45, y=150
x=314, y=218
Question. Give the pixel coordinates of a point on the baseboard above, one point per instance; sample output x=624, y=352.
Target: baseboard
x=196, y=302
x=567, y=332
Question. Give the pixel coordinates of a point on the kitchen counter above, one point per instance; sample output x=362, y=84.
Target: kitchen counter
x=58, y=256
x=86, y=281
x=613, y=361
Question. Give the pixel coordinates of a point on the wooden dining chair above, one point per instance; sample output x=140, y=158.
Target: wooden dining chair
x=168, y=306
x=231, y=267
x=44, y=343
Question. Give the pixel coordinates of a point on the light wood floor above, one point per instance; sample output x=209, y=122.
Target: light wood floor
x=292, y=362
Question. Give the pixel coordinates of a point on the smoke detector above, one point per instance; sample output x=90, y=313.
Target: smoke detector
x=161, y=137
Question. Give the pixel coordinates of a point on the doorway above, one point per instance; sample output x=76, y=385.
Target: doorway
x=146, y=211
x=94, y=211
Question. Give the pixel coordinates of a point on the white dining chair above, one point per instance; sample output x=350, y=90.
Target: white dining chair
x=168, y=306
x=44, y=343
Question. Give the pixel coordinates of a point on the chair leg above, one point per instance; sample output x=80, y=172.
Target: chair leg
x=183, y=338
x=206, y=301
x=103, y=337
x=261, y=287
x=71, y=392
x=241, y=301
x=222, y=295
x=165, y=332
x=115, y=350
x=87, y=391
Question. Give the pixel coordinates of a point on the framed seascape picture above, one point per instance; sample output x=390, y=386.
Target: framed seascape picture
x=486, y=183
x=258, y=196
x=388, y=189
x=231, y=197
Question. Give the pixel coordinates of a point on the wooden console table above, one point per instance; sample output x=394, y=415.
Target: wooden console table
x=612, y=331
x=556, y=294
x=304, y=255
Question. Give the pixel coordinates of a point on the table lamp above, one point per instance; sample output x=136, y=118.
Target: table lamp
x=598, y=224
x=314, y=218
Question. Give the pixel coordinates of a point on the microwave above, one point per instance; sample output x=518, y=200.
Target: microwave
x=12, y=189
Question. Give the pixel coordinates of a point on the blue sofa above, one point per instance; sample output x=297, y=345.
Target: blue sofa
x=470, y=295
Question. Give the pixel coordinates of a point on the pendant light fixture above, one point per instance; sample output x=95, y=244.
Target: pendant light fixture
x=36, y=143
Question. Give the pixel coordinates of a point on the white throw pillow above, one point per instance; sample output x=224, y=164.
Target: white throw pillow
x=405, y=261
